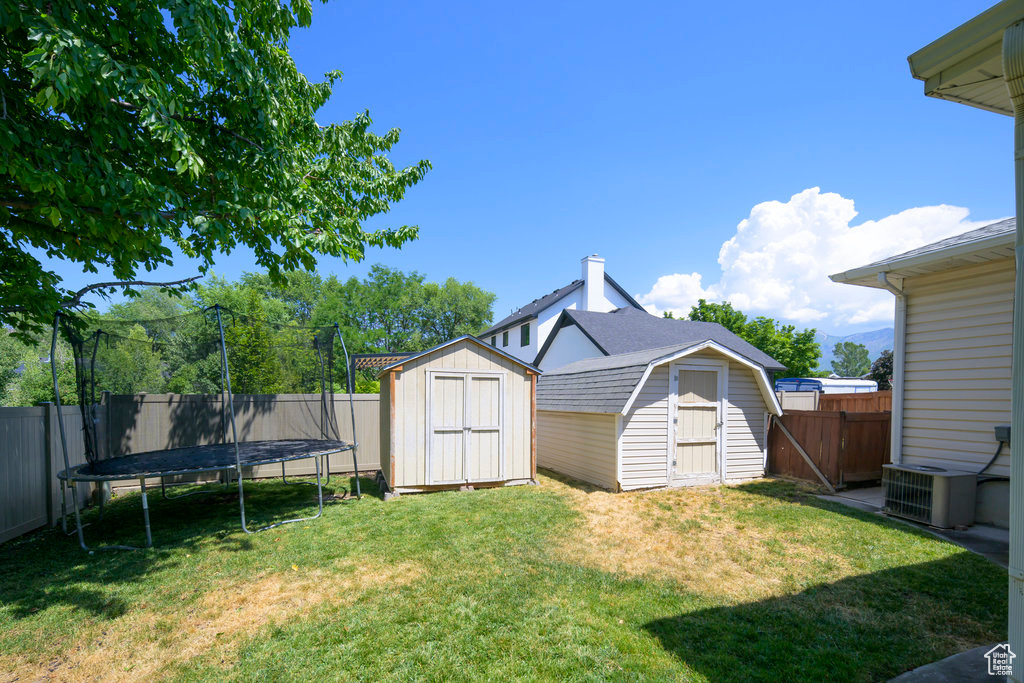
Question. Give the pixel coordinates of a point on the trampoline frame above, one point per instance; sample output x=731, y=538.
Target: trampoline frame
x=70, y=475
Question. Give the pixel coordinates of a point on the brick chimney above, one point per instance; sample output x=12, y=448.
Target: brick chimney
x=593, y=283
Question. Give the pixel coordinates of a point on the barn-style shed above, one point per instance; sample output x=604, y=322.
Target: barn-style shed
x=693, y=413
x=459, y=414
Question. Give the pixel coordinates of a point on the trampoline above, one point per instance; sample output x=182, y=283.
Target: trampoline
x=229, y=456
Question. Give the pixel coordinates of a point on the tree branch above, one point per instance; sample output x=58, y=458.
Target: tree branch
x=128, y=106
x=76, y=298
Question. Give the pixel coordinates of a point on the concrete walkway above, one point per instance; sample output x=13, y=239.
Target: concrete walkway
x=966, y=667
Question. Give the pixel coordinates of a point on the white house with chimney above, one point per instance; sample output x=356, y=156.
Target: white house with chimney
x=524, y=332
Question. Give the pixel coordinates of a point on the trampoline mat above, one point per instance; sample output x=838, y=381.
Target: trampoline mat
x=208, y=458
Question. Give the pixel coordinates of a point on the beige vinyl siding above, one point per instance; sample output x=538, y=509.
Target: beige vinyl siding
x=744, y=422
x=645, y=431
x=409, y=431
x=580, y=445
x=958, y=366
x=745, y=425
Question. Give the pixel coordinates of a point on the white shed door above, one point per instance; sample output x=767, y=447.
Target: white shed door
x=483, y=429
x=464, y=412
x=697, y=423
x=447, y=463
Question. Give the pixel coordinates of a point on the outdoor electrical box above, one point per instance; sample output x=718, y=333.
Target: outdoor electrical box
x=1003, y=433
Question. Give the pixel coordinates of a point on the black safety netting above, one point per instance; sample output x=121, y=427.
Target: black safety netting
x=183, y=356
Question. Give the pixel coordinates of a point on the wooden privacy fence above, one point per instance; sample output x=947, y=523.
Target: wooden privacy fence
x=867, y=402
x=30, y=447
x=844, y=447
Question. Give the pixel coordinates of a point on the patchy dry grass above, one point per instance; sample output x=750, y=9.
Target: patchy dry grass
x=153, y=640
x=554, y=582
x=695, y=536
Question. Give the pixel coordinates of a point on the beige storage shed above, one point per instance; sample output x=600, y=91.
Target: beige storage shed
x=689, y=414
x=459, y=414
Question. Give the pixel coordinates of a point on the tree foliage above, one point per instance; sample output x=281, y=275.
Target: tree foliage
x=881, y=370
x=797, y=350
x=389, y=310
x=850, y=359
x=131, y=128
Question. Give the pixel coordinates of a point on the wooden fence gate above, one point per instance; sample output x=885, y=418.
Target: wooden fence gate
x=845, y=447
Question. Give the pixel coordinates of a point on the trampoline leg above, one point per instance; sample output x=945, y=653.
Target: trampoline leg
x=145, y=512
x=241, y=502
x=63, y=506
x=284, y=478
x=78, y=517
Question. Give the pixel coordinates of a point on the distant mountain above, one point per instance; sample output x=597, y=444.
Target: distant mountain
x=876, y=341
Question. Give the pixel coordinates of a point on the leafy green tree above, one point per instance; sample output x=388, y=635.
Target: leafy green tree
x=129, y=365
x=300, y=292
x=453, y=309
x=881, y=370
x=12, y=354
x=132, y=128
x=251, y=356
x=34, y=384
x=850, y=359
x=798, y=351
x=723, y=314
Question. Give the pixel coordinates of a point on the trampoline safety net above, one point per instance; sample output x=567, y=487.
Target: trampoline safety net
x=235, y=391
x=182, y=356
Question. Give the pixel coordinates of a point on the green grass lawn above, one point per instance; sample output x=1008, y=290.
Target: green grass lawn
x=755, y=582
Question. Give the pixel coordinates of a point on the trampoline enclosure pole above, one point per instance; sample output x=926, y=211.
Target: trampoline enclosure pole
x=63, y=434
x=352, y=411
x=225, y=376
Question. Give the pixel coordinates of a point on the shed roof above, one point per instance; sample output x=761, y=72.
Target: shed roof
x=606, y=384
x=466, y=337
x=991, y=242
x=626, y=330
x=532, y=309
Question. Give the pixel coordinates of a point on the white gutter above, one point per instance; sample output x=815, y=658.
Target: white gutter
x=899, y=353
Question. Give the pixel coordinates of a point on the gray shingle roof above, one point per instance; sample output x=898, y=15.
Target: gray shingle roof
x=599, y=385
x=626, y=330
x=1004, y=227
x=532, y=309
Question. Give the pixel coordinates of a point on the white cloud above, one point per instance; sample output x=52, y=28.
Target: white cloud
x=778, y=261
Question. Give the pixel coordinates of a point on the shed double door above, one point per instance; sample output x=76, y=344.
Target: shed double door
x=464, y=413
x=698, y=419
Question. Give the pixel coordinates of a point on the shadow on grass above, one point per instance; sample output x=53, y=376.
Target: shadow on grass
x=864, y=628
x=47, y=568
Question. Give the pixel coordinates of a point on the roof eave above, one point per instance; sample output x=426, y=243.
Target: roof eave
x=965, y=65
x=867, y=276
x=456, y=340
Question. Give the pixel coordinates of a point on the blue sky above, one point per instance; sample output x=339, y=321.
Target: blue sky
x=646, y=132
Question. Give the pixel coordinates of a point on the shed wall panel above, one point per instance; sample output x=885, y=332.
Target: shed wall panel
x=580, y=445
x=645, y=431
x=958, y=366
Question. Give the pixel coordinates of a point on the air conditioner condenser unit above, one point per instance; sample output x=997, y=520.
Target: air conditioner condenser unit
x=930, y=495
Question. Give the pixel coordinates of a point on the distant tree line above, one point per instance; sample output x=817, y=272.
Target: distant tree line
x=388, y=310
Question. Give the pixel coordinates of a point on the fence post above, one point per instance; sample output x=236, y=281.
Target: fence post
x=48, y=449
